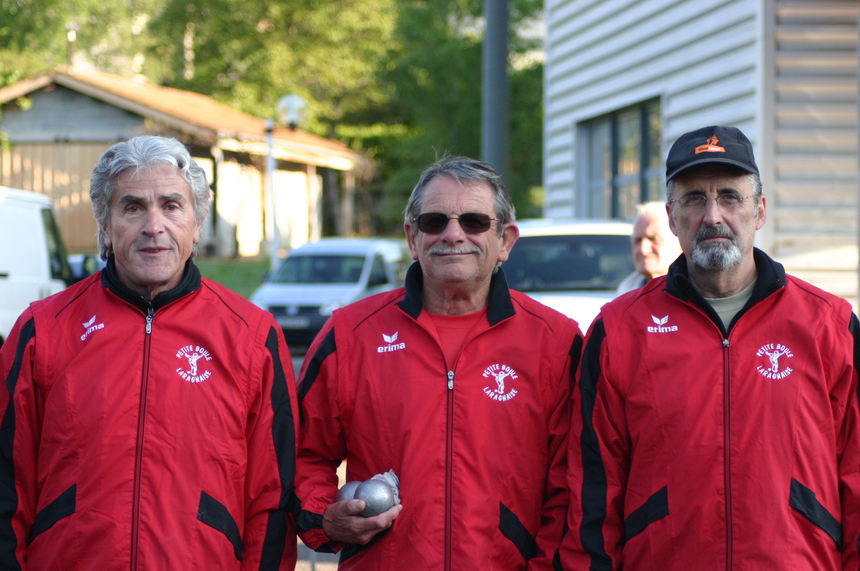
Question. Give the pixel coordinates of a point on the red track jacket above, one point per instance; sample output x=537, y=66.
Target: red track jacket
x=479, y=444
x=146, y=437
x=697, y=448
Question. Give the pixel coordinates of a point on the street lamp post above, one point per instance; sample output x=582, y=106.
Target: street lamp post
x=274, y=245
x=291, y=112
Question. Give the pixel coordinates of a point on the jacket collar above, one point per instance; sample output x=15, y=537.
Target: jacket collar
x=499, y=307
x=771, y=278
x=190, y=282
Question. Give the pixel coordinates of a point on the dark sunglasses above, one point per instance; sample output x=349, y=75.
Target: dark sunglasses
x=470, y=222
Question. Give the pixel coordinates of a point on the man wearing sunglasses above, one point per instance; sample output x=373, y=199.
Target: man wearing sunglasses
x=715, y=422
x=457, y=384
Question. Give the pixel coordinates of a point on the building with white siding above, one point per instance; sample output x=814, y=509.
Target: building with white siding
x=625, y=78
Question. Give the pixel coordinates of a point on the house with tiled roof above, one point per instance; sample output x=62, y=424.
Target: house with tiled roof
x=57, y=125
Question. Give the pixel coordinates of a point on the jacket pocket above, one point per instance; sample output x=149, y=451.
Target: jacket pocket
x=61, y=507
x=214, y=514
x=804, y=501
x=512, y=528
x=654, y=508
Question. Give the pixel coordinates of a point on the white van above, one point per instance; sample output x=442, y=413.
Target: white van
x=33, y=262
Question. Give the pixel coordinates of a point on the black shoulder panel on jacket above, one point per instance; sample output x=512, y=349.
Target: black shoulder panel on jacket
x=283, y=431
x=854, y=327
x=326, y=348
x=8, y=494
x=594, y=483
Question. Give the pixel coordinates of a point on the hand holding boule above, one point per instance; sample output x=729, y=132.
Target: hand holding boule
x=380, y=493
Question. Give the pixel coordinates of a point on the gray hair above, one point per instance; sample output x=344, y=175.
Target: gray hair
x=654, y=209
x=140, y=153
x=464, y=170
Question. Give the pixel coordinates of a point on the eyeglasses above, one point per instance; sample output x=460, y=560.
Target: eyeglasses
x=470, y=222
x=727, y=201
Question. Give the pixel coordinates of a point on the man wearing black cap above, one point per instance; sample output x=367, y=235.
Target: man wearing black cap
x=715, y=420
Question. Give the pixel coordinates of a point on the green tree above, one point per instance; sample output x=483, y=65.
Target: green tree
x=436, y=73
x=107, y=32
x=248, y=53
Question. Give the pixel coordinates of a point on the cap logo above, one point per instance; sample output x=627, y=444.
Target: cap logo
x=711, y=146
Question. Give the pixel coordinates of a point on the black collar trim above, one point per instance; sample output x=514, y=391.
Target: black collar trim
x=500, y=306
x=190, y=283
x=771, y=278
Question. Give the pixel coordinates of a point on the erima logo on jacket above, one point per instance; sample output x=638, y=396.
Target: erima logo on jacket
x=392, y=344
x=196, y=372
x=661, y=326
x=90, y=326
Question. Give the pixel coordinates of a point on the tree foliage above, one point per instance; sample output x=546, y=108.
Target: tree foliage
x=109, y=32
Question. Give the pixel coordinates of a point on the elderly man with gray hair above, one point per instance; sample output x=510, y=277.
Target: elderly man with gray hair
x=653, y=245
x=457, y=384
x=150, y=414
x=716, y=422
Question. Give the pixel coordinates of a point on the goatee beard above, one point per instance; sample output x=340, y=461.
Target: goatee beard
x=716, y=255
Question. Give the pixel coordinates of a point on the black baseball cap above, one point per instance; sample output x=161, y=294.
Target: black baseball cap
x=715, y=144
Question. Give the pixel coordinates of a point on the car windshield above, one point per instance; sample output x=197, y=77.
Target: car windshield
x=319, y=269
x=570, y=262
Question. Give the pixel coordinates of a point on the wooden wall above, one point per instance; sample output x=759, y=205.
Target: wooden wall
x=62, y=172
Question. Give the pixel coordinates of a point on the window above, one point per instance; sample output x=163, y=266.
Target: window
x=60, y=269
x=378, y=275
x=319, y=269
x=622, y=160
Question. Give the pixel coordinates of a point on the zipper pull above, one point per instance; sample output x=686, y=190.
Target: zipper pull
x=150, y=314
x=725, y=343
x=450, y=380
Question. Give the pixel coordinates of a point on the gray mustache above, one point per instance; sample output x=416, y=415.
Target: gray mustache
x=714, y=232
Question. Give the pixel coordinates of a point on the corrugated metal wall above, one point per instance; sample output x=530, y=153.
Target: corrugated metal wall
x=813, y=206
x=699, y=57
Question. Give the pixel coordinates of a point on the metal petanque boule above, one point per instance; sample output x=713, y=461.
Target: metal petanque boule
x=380, y=493
x=347, y=492
x=377, y=495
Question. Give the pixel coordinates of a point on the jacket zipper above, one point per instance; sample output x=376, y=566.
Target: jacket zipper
x=138, y=459
x=449, y=484
x=727, y=438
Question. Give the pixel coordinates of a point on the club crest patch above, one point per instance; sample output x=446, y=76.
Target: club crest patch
x=776, y=365
x=194, y=367
x=503, y=390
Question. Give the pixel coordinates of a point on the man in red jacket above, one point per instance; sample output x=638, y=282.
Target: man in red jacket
x=457, y=384
x=149, y=414
x=716, y=422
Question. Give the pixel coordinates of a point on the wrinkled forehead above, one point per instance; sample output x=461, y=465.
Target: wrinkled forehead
x=711, y=177
x=448, y=195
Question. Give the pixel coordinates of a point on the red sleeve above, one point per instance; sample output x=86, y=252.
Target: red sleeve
x=848, y=442
x=556, y=495
x=272, y=440
x=322, y=447
x=20, y=406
